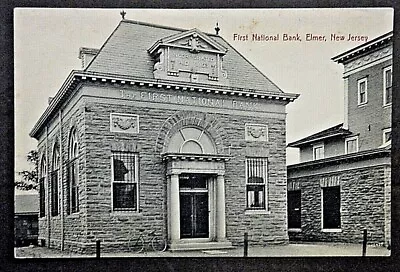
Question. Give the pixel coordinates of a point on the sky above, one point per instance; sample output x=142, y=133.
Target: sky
x=47, y=42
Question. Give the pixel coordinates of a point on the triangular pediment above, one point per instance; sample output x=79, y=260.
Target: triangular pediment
x=193, y=40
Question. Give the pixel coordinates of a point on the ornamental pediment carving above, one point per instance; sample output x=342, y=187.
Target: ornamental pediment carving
x=190, y=56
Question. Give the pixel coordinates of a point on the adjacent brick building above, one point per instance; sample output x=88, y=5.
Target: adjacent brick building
x=342, y=184
x=163, y=129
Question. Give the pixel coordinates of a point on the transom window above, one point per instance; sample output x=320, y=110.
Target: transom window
x=191, y=140
x=42, y=180
x=318, y=152
x=72, y=174
x=256, y=179
x=387, y=86
x=351, y=144
x=362, y=91
x=125, y=177
x=54, y=180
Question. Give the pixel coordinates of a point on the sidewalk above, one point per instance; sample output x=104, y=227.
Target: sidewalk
x=290, y=250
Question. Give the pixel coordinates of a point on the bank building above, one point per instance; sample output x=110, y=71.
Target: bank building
x=342, y=185
x=163, y=129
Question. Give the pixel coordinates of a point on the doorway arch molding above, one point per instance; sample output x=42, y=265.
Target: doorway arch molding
x=182, y=119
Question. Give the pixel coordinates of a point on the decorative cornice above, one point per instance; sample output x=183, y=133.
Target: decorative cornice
x=367, y=59
x=364, y=48
x=78, y=76
x=356, y=156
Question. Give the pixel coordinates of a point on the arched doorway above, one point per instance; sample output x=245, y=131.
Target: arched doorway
x=196, y=190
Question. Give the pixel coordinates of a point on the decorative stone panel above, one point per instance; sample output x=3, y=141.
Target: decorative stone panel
x=126, y=123
x=256, y=132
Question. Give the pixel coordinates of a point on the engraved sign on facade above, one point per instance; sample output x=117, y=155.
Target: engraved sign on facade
x=126, y=123
x=256, y=132
x=190, y=56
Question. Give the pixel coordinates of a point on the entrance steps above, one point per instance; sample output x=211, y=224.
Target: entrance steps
x=185, y=246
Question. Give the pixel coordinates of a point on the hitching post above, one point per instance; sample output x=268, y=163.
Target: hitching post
x=98, y=249
x=246, y=244
x=364, y=249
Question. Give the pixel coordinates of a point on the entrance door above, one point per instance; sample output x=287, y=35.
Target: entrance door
x=194, y=216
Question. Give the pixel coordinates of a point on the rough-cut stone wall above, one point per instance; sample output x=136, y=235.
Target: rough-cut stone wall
x=114, y=228
x=96, y=220
x=364, y=195
x=74, y=225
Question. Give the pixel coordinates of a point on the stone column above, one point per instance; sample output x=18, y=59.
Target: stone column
x=175, y=211
x=220, y=218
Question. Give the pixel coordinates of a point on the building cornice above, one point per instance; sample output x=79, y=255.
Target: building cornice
x=373, y=153
x=78, y=76
x=363, y=48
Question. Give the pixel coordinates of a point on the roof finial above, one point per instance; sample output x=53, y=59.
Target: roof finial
x=123, y=14
x=217, y=29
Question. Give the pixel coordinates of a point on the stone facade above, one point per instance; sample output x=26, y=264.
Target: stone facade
x=96, y=220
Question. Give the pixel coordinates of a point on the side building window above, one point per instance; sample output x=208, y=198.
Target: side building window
x=387, y=135
x=294, y=209
x=351, y=145
x=125, y=181
x=72, y=174
x=256, y=180
x=54, y=181
x=42, y=182
x=318, y=152
x=387, y=86
x=362, y=91
x=331, y=207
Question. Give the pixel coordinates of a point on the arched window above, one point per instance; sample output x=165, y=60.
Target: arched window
x=72, y=167
x=191, y=140
x=42, y=180
x=55, y=169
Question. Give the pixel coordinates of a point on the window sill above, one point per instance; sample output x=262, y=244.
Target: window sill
x=331, y=230
x=387, y=105
x=362, y=105
x=257, y=212
x=73, y=215
x=294, y=230
x=126, y=213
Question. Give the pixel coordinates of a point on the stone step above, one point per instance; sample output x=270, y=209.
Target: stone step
x=200, y=246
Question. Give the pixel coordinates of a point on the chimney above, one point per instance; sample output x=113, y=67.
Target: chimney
x=86, y=55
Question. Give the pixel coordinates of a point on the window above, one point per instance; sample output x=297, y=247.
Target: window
x=387, y=86
x=42, y=180
x=331, y=207
x=125, y=176
x=72, y=174
x=54, y=181
x=387, y=135
x=318, y=152
x=362, y=91
x=294, y=209
x=256, y=179
x=351, y=145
